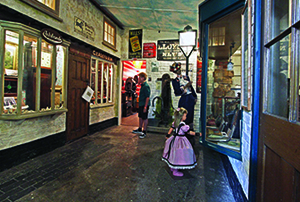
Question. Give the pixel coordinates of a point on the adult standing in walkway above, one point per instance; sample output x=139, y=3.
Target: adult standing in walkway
x=182, y=86
x=143, y=105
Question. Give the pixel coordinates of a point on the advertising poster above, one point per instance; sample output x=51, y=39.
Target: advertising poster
x=168, y=50
x=149, y=50
x=135, y=43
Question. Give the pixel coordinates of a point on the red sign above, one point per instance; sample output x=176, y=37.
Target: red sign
x=199, y=75
x=149, y=50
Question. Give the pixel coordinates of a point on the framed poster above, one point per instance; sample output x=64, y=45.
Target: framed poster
x=168, y=50
x=135, y=43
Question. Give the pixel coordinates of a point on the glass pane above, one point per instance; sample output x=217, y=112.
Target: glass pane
x=10, y=72
x=280, y=18
x=105, y=82
x=49, y=3
x=245, y=58
x=29, y=72
x=110, y=83
x=224, y=84
x=46, y=74
x=93, y=80
x=60, y=66
x=278, y=78
x=100, y=66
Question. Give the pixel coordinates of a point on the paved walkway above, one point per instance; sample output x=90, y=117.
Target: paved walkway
x=114, y=165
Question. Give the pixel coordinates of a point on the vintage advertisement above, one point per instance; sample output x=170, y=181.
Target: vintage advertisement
x=169, y=50
x=149, y=50
x=135, y=43
x=81, y=27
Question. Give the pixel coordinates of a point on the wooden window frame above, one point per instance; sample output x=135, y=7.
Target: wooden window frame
x=106, y=43
x=19, y=115
x=45, y=9
x=293, y=31
x=111, y=66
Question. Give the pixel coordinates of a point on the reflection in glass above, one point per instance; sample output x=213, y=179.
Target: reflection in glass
x=46, y=74
x=278, y=78
x=280, y=18
x=29, y=72
x=100, y=78
x=224, y=85
x=10, y=71
x=60, y=64
x=105, y=82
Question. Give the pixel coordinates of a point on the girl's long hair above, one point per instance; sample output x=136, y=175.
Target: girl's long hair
x=178, y=114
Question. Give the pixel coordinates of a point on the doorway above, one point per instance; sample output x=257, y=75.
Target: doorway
x=130, y=91
x=78, y=108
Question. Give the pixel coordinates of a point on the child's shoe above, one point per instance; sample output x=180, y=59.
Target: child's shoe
x=177, y=173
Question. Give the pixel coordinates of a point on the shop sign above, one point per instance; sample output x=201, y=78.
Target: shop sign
x=149, y=50
x=81, y=27
x=135, y=41
x=51, y=36
x=102, y=56
x=169, y=50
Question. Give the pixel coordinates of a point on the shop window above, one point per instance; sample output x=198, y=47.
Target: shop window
x=223, y=98
x=33, y=72
x=102, y=74
x=109, y=34
x=50, y=7
x=217, y=36
x=281, y=97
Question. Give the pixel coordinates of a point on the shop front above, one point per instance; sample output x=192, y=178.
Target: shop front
x=225, y=114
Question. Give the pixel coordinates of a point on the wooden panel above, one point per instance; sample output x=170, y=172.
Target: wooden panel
x=279, y=178
x=283, y=137
x=78, y=108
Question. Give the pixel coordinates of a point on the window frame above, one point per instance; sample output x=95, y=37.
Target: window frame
x=45, y=9
x=294, y=31
x=106, y=43
x=22, y=30
x=247, y=71
x=109, y=92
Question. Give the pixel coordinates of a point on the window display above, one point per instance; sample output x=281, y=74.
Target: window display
x=101, y=83
x=223, y=110
x=31, y=84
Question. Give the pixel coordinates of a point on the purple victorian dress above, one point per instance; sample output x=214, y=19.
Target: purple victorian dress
x=178, y=152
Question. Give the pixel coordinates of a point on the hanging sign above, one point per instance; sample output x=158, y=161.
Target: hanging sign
x=135, y=43
x=51, y=36
x=169, y=50
x=149, y=50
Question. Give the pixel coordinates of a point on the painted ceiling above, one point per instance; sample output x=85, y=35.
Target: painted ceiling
x=165, y=15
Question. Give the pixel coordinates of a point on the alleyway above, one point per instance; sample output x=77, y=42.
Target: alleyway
x=114, y=165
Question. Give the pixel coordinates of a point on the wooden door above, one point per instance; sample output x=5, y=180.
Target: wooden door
x=279, y=160
x=78, y=108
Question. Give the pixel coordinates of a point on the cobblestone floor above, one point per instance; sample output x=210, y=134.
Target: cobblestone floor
x=114, y=165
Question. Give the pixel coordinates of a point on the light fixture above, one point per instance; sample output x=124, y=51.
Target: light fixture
x=187, y=41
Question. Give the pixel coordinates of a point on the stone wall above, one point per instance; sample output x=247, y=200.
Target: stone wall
x=68, y=10
x=13, y=133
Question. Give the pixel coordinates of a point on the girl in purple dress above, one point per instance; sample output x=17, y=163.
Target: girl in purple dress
x=178, y=152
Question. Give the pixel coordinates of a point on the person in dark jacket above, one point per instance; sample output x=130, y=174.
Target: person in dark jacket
x=182, y=86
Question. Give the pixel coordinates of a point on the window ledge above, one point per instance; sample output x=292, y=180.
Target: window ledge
x=32, y=115
x=102, y=105
x=109, y=46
